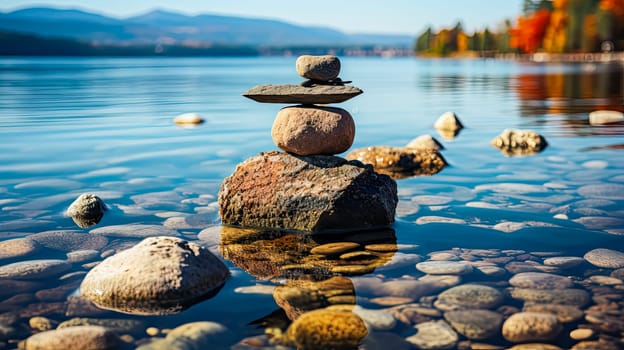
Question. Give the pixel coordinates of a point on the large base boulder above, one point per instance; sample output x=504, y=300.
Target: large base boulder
x=312, y=194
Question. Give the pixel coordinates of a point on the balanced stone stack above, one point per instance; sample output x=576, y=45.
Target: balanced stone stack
x=308, y=188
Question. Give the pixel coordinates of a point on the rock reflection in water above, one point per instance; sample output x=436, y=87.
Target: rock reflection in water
x=268, y=254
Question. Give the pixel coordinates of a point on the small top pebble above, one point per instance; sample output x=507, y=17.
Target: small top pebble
x=323, y=68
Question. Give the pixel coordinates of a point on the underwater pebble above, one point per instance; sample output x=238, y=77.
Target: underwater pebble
x=79, y=256
x=327, y=329
x=67, y=241
x=34, y=269
x=376, y=319
x=564, y=313
x=75, y=338
x=18, y=247
x=605, y=280
x=538, y=280
x=470, y=296
x=511, y=188
x=438, y=219
x=564, y=262
x=434, y=335
x=41, y=324
x=581, y=333
x=603, y=191
x=531, y=326
x=475, y=324
x=595, y=164
x=134, y=231
x=440, y=267
x=605, y=258
x=576, y=297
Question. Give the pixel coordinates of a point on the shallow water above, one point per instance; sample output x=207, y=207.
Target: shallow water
x=70, y=126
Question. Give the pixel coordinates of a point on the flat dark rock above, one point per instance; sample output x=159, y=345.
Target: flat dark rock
x=320, y=94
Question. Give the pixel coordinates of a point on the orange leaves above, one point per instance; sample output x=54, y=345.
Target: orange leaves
x=615, y=6
x=529, y=32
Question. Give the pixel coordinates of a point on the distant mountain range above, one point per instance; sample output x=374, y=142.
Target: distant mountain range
x=169, y=28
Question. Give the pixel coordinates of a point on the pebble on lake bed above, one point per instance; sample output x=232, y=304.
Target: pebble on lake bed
x=75, y=338
x=188, y=119
x=519, y=142
x=326, y=329
x=87, y=210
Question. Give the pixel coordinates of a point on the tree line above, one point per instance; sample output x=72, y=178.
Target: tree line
x=552, y=26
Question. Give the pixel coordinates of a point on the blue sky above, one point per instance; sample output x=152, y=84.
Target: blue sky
x=352, y=16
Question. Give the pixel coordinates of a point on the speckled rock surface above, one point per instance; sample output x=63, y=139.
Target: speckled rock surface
x=34, y=269
x=471, y=296
x=434, y=335
x=539, y=280
x=531, y=326
x=519, y=142
x=311, y=130
x=326, y=329
x=318, y=94
x=67, y=241
x=326, y=67
x=400, y=162
x=75, y=338
x=568, y=296
x=159, y=275
x=18, y=247
x=475, y=324
x=605, y=258
x=87, y=210
x=314, y=194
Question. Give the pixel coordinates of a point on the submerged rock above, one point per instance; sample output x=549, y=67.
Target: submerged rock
x=434, y=335
x=313, y=194
x=87, y=210
x=531, y=326
x=322, y=68
x=326, y=329
x=448, y=121
x=605, y=117
x=470, y=296
x=77, y=338
x=188, y=119
x=317, y=94
x=192, y=336
x=34, y=269
x=160, y=275
x=18, y=247
x=400, y=162
x=475, y=324
x=311, y=130
x=519, y=142
x=605, y=258
x=425, y=142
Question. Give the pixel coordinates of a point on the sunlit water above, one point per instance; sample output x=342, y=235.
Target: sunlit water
x=70, y=126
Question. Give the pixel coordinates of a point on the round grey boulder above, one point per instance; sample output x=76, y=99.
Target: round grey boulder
x=87, y=210
x=311, y=130
x=159, y=275
x=322, y=68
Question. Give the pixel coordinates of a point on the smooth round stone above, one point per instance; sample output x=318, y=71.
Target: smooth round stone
x=535, y=346
x=491, y=270
x=438, y=267
x=434, y=335
x=531, y=326
x=564, y=313
x=581, y=333
x=116, y=325
x=134, y=231
x=198, y=335
x=596, y=344
x=68, y=241
x=425, y=142
x=84, y=255
x=576, y=297
x=87, y=210
x=159, y=275
x=602, y=117
x=603, y=191
x=41, y=324
x=334, y=248
x=471, y=296
x=605, y=258
x=312, y=130
x=188, y=119
x=475, y=324
x=327, y=329
x=539, y=280
x=448, y=121
x=322, y=68
x=564, y=262
x=605, y=280
x=34, y=269
x=443, y=256
x=391, y=301
x=376, y=319
x=17, y=247
x=75, y=338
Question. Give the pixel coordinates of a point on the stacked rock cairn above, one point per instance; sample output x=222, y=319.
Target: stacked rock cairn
x=308, y=188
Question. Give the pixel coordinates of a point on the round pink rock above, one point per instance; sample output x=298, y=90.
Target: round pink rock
x=312, y=130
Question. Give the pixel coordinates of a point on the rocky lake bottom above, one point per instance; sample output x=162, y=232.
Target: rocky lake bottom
x=492, y=252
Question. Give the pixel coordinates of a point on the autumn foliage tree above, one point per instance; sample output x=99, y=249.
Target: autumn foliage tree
x=528, y=35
